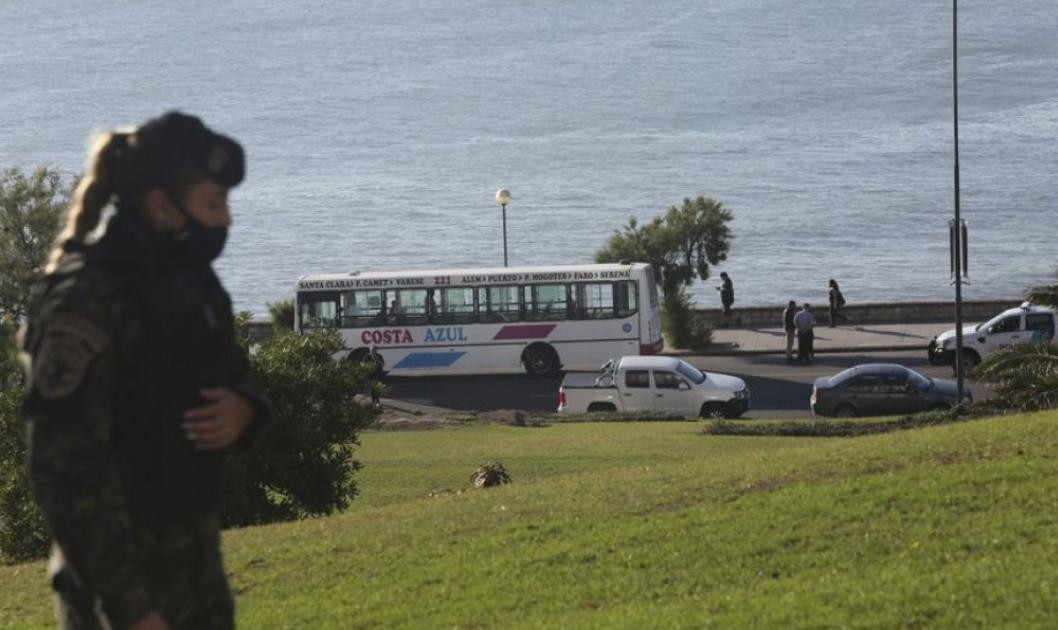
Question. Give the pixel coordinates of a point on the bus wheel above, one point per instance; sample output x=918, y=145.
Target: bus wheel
x=540, y=360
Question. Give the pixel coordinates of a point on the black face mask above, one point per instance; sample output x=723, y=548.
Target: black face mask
x=196, y=244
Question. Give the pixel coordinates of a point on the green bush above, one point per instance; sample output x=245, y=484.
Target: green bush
x=685, y=329
x=301, y=466
x=23, y=534
x=1025, y=376
x=303, y=463
x=831, y=427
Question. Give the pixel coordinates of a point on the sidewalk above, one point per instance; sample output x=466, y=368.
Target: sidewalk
x=852, y=338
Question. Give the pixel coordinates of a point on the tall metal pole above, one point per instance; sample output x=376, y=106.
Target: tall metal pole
x=504, y=206
x=957, y=240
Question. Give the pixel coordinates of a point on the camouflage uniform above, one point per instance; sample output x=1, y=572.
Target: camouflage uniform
x=117, y=347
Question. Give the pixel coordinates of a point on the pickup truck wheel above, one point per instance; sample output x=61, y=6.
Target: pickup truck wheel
x=731, y=411
x=713, y=411
x=969, y=359
x=601, y=407
x=540, y=360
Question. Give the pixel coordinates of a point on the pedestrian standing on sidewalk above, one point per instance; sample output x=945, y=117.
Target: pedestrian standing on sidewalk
x=837, y=300
x=788, y=314
x=805, y=322
x=727, y=294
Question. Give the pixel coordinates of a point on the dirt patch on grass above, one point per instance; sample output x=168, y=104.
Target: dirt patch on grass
x=393, y=420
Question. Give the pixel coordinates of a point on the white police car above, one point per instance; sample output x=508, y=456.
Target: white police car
x=1028, y=322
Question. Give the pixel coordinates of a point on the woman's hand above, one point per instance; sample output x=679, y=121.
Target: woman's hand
x=150, y=621
x=218, y=423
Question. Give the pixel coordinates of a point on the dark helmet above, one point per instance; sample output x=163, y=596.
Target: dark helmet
x=174, y=148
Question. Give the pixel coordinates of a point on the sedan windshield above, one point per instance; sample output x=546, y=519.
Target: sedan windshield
x=690, y=372
x=921, y=382
x=842, y=376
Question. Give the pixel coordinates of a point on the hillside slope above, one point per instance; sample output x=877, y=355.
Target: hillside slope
x=654, y=524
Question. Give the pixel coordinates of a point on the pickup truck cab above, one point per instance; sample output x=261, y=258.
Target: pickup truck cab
x=654, y=385
x=1023, y=324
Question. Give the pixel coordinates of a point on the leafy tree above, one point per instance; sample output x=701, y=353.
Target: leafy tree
x=31, y=209
x=681, y=246
x=23, y=534
x=282, y=314
x=1044, y=295
x=304, y=463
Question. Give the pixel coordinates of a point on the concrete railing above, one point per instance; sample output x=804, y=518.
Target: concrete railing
x=880, y=313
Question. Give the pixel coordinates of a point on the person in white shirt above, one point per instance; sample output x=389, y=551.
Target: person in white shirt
x=805, y=322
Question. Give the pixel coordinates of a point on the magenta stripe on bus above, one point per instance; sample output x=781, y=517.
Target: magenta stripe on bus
x=533, y=331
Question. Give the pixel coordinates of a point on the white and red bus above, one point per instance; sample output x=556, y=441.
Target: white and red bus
x=468, y=321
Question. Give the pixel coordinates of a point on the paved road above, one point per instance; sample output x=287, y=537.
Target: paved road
x=779, y=388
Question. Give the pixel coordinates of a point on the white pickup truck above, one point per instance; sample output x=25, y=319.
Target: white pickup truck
x=654, y=385
x=1025, y=323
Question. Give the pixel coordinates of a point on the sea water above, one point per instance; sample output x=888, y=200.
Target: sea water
x=378, y=131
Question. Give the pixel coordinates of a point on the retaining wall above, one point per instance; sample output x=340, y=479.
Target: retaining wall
x=880, y=313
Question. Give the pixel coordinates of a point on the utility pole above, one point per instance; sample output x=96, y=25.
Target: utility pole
x=957, y=237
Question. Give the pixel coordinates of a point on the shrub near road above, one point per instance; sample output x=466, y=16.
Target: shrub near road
x=652, y=524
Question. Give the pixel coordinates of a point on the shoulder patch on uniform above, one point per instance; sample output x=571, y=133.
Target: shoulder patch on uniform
x=68, y=345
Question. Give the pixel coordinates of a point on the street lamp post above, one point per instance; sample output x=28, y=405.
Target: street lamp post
x=957, y=236
x=503, y=197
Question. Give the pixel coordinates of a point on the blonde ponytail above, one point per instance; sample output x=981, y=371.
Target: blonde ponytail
x=93, y=193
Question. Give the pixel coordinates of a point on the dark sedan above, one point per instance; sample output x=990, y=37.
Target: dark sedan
x=882, y=389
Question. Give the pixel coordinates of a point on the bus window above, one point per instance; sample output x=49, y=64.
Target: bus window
x=362, y=308
x=594, y=301
x=499, y=304
x=546, y=301
x=626, y=298
x=455, y=305
x=318, y=310
x=407, y=307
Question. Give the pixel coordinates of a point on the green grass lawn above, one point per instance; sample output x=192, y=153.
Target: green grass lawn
x=654, y=524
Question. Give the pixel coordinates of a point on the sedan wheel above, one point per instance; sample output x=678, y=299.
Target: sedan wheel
x=845, y=411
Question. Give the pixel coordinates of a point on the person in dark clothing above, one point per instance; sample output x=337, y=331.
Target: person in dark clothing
x=788, y=326
x=837, y=300
x=377, y=381
x=727, y=293
x=136, y=387
x=805, y=323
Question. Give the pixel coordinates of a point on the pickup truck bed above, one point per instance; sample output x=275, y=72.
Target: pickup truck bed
x=585, y=380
